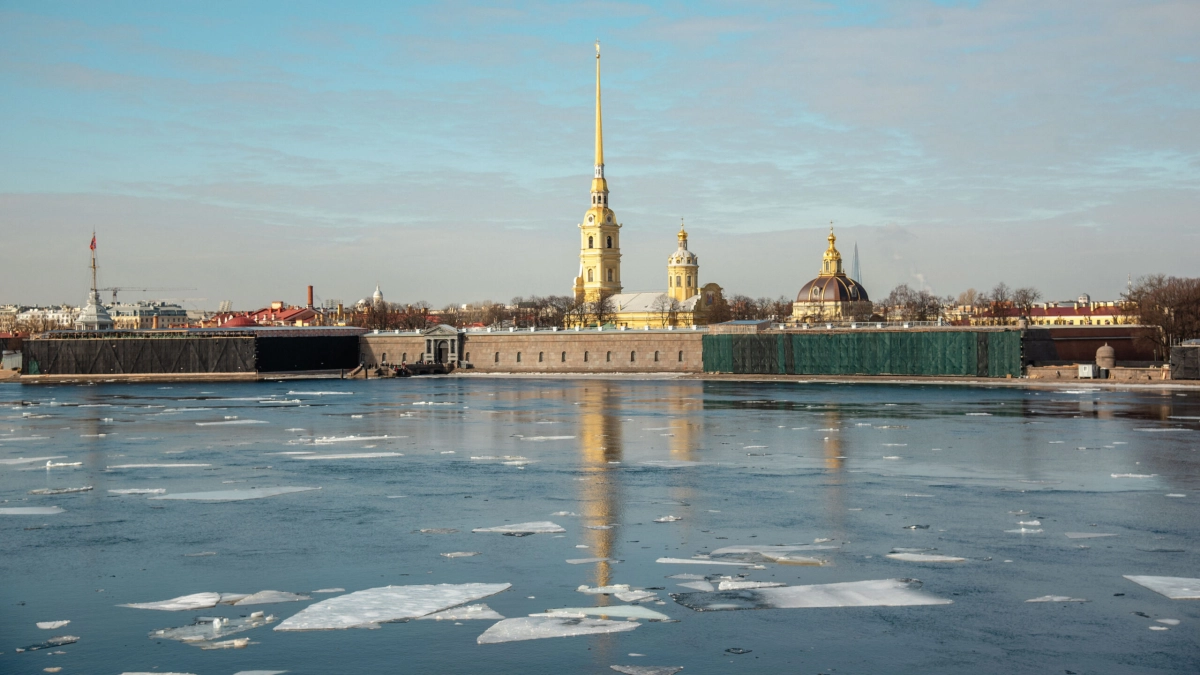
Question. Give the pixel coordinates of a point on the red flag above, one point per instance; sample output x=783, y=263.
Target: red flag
x=93, y=246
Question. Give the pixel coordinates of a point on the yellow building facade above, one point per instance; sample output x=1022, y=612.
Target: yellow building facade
x=599, y=280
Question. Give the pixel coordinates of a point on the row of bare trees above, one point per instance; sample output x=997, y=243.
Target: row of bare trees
x=1172, y=304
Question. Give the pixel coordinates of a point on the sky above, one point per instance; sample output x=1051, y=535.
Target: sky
x=443, y=150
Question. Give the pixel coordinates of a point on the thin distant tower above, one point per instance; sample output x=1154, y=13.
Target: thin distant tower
x=857, y=271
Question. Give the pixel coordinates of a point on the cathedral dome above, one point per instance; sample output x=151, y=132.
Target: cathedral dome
x=832, y=289
x=682, y=256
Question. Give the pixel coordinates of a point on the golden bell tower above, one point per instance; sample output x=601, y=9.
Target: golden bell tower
x=831, y=262
x=683, y=270
x=599, y=233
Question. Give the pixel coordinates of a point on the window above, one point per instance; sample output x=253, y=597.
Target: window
x=564, y=357
x=632, y=357
x=404, y=357
x=681, y=356
x=590, y=241
x=669, y=282
x=585, y=355
x=540, y=355
x=590, y=275
x=383, y=358
x=608, y=356
x=689, y=281
x=518, y=357
x=610, y=274
x=497, y=357
x=609, y=243
x=677, y=283
x=656, y=357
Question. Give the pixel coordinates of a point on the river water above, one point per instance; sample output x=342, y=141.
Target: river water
x=847, y=472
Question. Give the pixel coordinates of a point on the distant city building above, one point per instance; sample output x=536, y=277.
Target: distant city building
x=1081, y=312
x=832, y=296
x=142, y=315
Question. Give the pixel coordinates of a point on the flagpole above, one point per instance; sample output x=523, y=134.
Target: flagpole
x=93, y=248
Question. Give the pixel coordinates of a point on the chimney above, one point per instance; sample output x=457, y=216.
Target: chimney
x=310, y=304
x=154, y=322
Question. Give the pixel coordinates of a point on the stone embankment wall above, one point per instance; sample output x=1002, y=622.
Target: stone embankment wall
x=1118, y=374
x=556, y=351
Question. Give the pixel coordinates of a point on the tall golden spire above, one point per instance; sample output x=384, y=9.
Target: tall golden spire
x=599, y=129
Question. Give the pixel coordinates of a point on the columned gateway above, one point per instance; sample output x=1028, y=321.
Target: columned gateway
x=599, y=233
x=443, y=344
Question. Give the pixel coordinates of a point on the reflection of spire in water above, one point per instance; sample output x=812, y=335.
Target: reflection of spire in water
x=835, y=460
x=600, y=443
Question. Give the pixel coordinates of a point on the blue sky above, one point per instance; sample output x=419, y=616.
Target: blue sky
x=443, y=150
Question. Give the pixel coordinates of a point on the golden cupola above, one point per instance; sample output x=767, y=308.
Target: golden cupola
x=683, y=270
x=831, y=263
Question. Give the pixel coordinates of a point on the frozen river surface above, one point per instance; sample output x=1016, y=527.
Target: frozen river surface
x=722, y=527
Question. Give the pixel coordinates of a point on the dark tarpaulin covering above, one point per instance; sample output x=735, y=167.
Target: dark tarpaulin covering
x=101, y=356
x=963, y=353
x=1185, y=363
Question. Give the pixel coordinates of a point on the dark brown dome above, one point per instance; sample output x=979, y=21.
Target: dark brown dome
x=839, y=288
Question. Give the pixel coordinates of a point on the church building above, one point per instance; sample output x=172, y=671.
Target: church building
x=832, y=296
x=599, y=280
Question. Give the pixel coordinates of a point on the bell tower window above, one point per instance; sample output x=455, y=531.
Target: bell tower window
x=590, y=275
x=590, y=242
x=609, y=242
x=677, y=284
x=610, y=275
x=689, y=281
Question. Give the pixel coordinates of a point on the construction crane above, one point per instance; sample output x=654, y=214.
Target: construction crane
x=115, y=289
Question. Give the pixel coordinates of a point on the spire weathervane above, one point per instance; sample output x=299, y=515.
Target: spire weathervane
x=599, y=126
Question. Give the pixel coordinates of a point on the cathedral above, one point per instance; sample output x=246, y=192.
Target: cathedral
x=833, y=295
x=599, y=281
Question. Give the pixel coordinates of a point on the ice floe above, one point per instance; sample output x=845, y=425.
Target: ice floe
x=319, y=393
x=325, y=440
x=271, y=597
x=1087, y=535
x=1176, y=588
x=699, y=561
x=623, y=611
x=647, y=670
x=180, y=604
x=373, y=606
x=667, y=519
x=233, y=495
x=139, y=491
x=56, y=641
x=873, y=593
x=781, y=554
x=30, y=510
x=743, y=585
x=1056, y=598
x=157, y=466
x=235, y=643
x=671, y=463
x=925, y=557
x=330, y=590
x=464, y=613
x=540, y=627
x=52, y=625
x=585, y=561
x=699, y=585
x=60, y=491
x=539, y=527
x=12, y=461
x=1134, y=475
x=460, y=554
x=603, y=590
x=350, y=455
x=546, y=438
x=635, y=595
x=211, y=629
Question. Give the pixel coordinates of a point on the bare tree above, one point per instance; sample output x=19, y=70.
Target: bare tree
x=602, y=310
x=908, y=304
x=1024, y=299
x=859, y=310
x=718, y=311
x=742, y=308
x=451, y=315
x=666, y=310
x=968, y=298
x=1171, y=304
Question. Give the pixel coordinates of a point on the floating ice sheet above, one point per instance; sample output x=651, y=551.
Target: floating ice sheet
x=623, y=611
x=56, y=641
x=30, y=510
x=585, y=561
x=209, y=629
x=271, y=597
x=603, y=590
x=158, y=466
x=699, y=586
x=743, y=585
x=351, y=455
x=635, y=595
x=259, y=672
x=873, y=593
x=547, y=438
x=462, y=554
x=182, y=603
x=539, y=627
x=324, y=440
x=1056, y=598
x=139, y=491
x=373, y=606
x=667, y=519
x=233, y=495
x=690, y=577
x=647, y=670
x=465, y=613
x=699, y=561
x=1134, y=475
x=229, y=422
x=330, y=590
x=12, y=461
x=60, y=491
x=52, y=625
x=925, y=557
x=776, y=554
x=1087, y=535
x=671, y=463
x=236, y=643
x=540, y=527
x=1175, y=588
